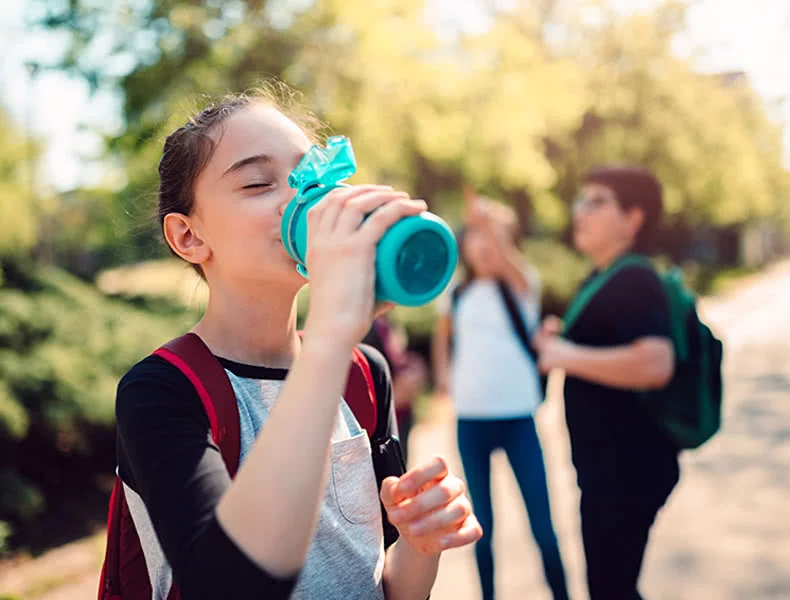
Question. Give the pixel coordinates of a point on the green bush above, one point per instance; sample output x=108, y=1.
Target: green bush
x=5, y=534
x=63, y=347
x=20, y=500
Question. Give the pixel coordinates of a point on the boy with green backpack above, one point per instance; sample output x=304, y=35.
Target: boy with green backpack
x=643, y=375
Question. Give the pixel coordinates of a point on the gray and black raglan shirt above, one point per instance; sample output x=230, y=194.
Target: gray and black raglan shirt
x=174, y=477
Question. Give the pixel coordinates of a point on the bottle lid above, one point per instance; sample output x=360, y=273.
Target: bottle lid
x=324, y=166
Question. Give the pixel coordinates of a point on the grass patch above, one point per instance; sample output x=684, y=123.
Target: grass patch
x=166, y=279
x=42, y=586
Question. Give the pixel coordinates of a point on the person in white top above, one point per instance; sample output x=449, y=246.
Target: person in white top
x=492, y=378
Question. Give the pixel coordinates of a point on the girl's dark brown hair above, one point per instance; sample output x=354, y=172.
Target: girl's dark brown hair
x=189, y=148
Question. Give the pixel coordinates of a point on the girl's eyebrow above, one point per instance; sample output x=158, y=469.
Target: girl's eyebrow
x=257, y=158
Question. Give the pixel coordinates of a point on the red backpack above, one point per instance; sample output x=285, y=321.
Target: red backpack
x=124, y=573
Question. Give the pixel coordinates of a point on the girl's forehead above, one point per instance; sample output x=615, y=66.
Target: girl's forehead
x=257, y=130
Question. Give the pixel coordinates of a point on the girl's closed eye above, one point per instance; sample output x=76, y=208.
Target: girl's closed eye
x=256, y=185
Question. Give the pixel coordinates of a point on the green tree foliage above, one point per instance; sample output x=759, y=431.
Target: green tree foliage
x=707, y=136
x=19, y=212
x=63, y=347
x=521, y=108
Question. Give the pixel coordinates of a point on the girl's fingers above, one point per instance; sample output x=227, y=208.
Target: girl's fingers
x=444, y=520
x=389, y=494
x=385, y=217
x=425, y=503
x=468, y=533
x=323, y=215
x=414, y=479
x=357, y=208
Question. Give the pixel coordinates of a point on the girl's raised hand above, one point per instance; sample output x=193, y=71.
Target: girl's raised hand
x=341, y=251
x=429, y=507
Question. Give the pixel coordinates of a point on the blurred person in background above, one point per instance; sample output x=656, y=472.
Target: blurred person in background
x=620, y=345
x=492, y=378
x=408, y=369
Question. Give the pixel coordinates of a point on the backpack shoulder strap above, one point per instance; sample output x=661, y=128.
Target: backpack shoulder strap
x=583, y=297
x=192, y=357
x=516, y=319
x=123, y=551
x=360, y=393
x=109, y=580
x=373, y=412
x=455, y=295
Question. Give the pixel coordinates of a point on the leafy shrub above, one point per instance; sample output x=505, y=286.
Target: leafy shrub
x=63, y=347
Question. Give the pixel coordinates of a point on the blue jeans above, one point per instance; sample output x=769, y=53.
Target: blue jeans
x=477, y=440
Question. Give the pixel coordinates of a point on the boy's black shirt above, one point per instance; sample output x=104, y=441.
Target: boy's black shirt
x=617, y=446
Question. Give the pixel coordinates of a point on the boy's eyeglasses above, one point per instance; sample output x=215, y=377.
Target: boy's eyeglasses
x=591, y=204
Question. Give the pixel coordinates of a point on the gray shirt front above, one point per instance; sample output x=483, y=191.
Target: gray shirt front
x=346, y=556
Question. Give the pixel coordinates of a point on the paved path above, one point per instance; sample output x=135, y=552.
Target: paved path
x=724, y=535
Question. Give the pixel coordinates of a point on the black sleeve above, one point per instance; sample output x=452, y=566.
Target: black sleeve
x=167, y=456
x=385, y=446
x=637, y=304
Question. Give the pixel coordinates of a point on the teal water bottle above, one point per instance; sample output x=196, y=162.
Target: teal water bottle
x=415, y=258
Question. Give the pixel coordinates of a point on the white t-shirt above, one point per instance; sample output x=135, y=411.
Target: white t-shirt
x=491, y=375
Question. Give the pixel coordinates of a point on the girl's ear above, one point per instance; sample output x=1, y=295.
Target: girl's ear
x=183, y=237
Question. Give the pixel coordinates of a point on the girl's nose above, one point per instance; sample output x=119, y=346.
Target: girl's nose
x=285, y=202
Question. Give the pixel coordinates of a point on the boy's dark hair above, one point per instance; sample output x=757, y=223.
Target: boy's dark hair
x=634, y=187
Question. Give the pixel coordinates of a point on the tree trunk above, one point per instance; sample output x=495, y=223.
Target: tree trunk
x=522, y=203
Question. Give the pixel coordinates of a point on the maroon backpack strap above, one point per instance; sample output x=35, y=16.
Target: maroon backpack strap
x=109, y=581
x=360, y=394
x=124, y=573
x=189, y=355
x=192, y=357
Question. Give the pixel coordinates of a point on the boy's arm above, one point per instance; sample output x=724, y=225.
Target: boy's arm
x=634, y=308
x=647, y=363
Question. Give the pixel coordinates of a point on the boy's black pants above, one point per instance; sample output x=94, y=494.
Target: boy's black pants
x=615, y=530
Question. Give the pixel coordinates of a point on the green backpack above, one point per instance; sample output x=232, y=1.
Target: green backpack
x=689, y=407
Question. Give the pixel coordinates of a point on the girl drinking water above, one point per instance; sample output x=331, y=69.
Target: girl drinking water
x=303, y=516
